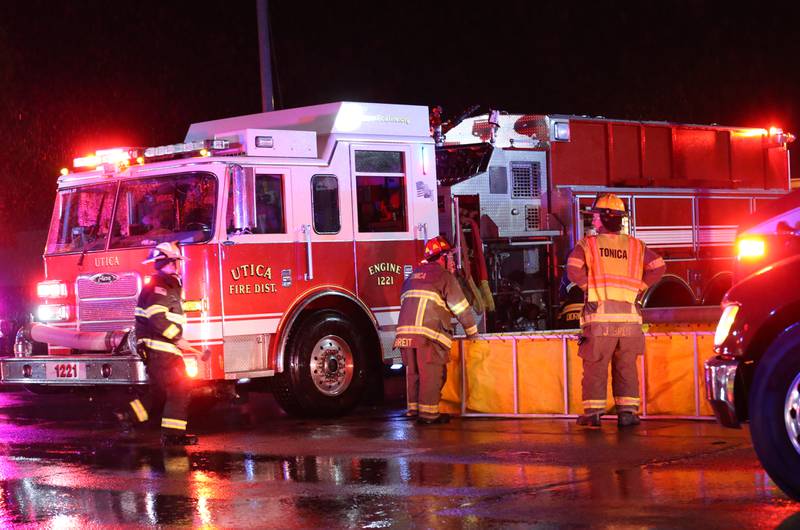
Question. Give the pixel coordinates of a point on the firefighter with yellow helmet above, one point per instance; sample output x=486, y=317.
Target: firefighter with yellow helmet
x=430, y=297
x=612, y=269
x=159, y=334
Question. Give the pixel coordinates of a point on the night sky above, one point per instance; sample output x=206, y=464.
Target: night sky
x=82, y=75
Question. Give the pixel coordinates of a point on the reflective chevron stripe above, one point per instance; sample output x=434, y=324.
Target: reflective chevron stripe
x=425, y=332
x=139, y=410
x=171, y=423
x=160, y=345
x=171, y=331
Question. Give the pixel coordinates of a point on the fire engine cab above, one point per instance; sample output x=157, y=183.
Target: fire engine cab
x=300, y=226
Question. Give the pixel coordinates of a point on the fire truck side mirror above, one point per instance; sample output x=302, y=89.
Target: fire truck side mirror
x=243, y=189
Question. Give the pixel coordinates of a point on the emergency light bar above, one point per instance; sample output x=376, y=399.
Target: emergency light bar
x=199, y=147
x=116, y=156
x=111, y=159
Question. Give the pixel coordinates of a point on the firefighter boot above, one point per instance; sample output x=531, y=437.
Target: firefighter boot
x=627, y=419
x=589, y=419
x=438, y=420
x=169, y=439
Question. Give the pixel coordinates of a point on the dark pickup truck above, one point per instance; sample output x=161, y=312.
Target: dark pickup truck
x=755, y=375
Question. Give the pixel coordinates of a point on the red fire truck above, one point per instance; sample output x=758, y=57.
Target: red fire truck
x=300, y=226
x=530, y=178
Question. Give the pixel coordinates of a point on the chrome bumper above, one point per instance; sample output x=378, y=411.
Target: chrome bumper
x=720, y=374
x=73, y=370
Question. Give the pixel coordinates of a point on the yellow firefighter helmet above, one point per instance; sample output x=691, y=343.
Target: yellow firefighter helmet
x=167, y=250
x=609, y=204
x=435, y=247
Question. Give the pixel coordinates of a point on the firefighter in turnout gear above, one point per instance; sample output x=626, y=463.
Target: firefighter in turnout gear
x=612, y=269
x=159, y=335
x=431, y=296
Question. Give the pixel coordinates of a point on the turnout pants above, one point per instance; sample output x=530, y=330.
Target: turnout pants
x=169, y=387
x=425, y=377
x=621, y=352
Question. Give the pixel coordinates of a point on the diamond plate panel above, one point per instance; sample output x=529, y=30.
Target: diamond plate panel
x=245, y=353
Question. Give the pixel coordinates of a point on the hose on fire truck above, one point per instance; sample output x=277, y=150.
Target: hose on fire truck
x=118, y=341
x=471, y=290
x=477, y=261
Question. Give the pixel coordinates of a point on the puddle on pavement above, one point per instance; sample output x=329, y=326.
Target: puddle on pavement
x=151, y=486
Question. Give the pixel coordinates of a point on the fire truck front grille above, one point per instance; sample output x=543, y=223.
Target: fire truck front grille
x=525, y=177
x=107, y=301
x=106, y=285
x=531, y=218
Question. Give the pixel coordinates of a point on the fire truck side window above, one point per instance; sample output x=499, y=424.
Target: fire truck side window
x=83, y=216
x=269, y=205
x=381, y=191
x=325, y=202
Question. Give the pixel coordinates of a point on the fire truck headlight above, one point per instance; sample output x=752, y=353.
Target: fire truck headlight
x=750, y=248
x=191, y=366
x=725, y=323
x=51, y=289
x=52, y=312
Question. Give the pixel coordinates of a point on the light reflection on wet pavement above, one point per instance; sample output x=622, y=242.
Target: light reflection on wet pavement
x=62, y=465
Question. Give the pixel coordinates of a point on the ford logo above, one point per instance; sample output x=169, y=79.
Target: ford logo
x=105, y=277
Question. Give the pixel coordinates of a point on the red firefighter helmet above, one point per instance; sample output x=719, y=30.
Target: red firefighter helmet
x=609, y=204
x=435, y=247
x=167, y=250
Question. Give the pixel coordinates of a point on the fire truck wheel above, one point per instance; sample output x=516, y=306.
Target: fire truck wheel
x=774, y=405
x=325, y=370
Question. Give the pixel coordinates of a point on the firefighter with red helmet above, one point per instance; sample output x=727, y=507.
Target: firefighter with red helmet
x=159, y=335
x=612, y=269
x=431, y=296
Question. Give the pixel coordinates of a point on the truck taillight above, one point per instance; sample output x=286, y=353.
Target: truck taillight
x=750, y=248
x=53, y=312
x=51, y=289
x=191, y=366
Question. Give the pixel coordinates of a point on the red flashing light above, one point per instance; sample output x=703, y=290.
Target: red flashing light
x=749, y=248
x=116, y=156
x=51, y=289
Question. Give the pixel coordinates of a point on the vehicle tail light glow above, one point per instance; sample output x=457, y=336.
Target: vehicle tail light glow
x=191, y=366
x=53, y=312
x=725, y=323
x=750, y=248
x=51, y=289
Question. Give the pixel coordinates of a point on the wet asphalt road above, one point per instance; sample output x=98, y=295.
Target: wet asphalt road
x=63, y=465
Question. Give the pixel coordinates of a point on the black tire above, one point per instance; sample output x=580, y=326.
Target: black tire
x=774, y=413
x=320, y=377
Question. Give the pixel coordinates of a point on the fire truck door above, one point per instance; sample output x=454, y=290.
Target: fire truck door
x=385, y=243
x=258, y=265
x=322, y=230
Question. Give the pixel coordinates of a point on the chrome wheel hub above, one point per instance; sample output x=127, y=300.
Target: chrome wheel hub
x=791, y=413
x=331, y=365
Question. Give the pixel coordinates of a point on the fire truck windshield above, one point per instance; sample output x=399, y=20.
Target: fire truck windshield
x=178, y=207
x=81, y=220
